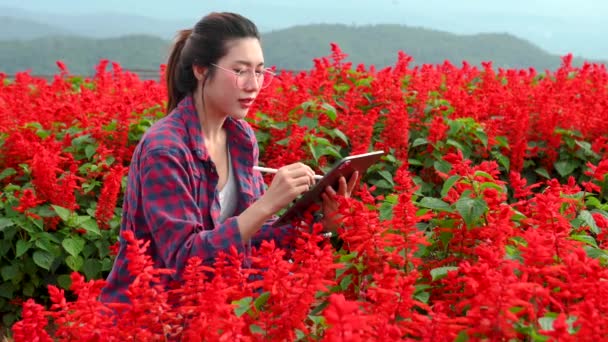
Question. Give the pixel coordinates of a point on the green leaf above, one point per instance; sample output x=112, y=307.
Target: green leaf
x=441, y=272
x=317, y=320
x=414, y=162
x=486, y=185
x=91, y=268
x=340, y=135
x=592, y=202
x=595, y=253
x=543, y=172
x=261, y=300
x=300, y=335
x=90, y=225
x=65, y=281
x=546, y=323
x=565, y=167
x=470, y=209
x=5, y=223
x=7, y=173
x=74, y=262
x=330, y=111
x=7, y=289
x=484, y=174
x=462, y=336
x=435, y=203
x=420, y=141
x=442, y=166
x=589, y=240
x=63, y=213
x=502, y=160
x=387, y=175
x=447, y=185
x=308, y=122
x=90, y=150
x=29, y=289
x=73, y=245
x=457, y=145
x=482, y=136
x=256, y=329
x=346, y=281
x=22, y=247
x=242, y=305
x=586, y=216
x=43, y=259
x=422, y=297
x=386, y=208
x=10, y=272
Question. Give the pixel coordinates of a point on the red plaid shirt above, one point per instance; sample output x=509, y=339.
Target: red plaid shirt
x=172, y=199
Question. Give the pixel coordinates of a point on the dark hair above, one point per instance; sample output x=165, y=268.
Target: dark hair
x=203, y=45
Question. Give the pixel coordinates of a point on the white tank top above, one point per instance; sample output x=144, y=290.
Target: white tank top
x=228, y=194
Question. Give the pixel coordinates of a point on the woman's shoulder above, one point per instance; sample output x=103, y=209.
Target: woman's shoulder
x=244, y=128
x=168, y=134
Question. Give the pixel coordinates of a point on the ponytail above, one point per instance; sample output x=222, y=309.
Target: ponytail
x=175, y=70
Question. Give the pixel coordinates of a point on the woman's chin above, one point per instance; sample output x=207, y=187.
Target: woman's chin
x=239, y=114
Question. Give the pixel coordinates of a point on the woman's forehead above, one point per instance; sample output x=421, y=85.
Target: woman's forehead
x=246, y=51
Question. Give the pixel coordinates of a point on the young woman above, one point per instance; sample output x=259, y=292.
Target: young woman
x=191, y=189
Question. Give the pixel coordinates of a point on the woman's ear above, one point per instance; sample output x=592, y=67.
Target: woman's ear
x=199, y=72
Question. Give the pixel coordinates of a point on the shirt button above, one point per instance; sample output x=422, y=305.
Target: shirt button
x=199, y=154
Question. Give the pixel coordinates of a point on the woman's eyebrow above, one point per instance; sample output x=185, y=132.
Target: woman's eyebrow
x=247, y=63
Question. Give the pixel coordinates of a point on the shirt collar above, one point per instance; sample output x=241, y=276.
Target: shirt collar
x=236, y=133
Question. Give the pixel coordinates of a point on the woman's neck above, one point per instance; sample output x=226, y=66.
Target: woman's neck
x=211, y=122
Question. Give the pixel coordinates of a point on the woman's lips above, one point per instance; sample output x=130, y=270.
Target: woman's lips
x=246, y=103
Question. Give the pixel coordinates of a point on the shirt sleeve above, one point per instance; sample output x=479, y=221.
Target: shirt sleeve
x=282, y=234
x=173, y=217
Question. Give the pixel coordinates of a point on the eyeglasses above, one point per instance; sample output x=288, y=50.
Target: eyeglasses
x=263, y=78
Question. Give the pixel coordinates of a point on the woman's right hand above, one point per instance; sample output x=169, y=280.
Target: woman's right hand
x=288, y=183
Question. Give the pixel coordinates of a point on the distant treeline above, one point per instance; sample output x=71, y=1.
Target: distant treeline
x=293, y=49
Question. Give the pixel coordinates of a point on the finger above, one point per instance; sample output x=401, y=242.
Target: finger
x=302, y=188
x=353, y=182
x=342, y=187
x=298, y=166
x=329, y=203
x=325, y=198
x=331, y=193
x=301, y=172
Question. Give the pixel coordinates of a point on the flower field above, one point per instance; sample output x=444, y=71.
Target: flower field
x=486, y=220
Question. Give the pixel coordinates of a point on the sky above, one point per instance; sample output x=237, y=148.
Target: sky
x=558, y=26
x=186, y=8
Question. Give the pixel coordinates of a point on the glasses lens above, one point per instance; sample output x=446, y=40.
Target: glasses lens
x=266, y=78
x=263, y=79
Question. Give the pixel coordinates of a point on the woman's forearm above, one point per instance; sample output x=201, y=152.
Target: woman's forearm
x=253, y=218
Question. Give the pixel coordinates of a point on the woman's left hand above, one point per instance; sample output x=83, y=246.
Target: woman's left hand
x=331, y=218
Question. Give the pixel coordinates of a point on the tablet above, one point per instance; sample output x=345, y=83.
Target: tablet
x=345, y=167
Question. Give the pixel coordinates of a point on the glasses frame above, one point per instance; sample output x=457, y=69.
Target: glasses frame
x=263, y=73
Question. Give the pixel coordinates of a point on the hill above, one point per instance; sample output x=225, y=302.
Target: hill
x=378, y=44
x=92, y=25
x=81, y=54
x=293, y=48
x=18, y=28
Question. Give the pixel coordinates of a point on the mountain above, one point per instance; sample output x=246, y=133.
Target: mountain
x=555, y=26
x=296, y=47
x=100, y=25
x=18, y=28
x=293, y=48
x=81, y=54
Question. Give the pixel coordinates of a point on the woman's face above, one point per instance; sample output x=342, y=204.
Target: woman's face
x=227, y=94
